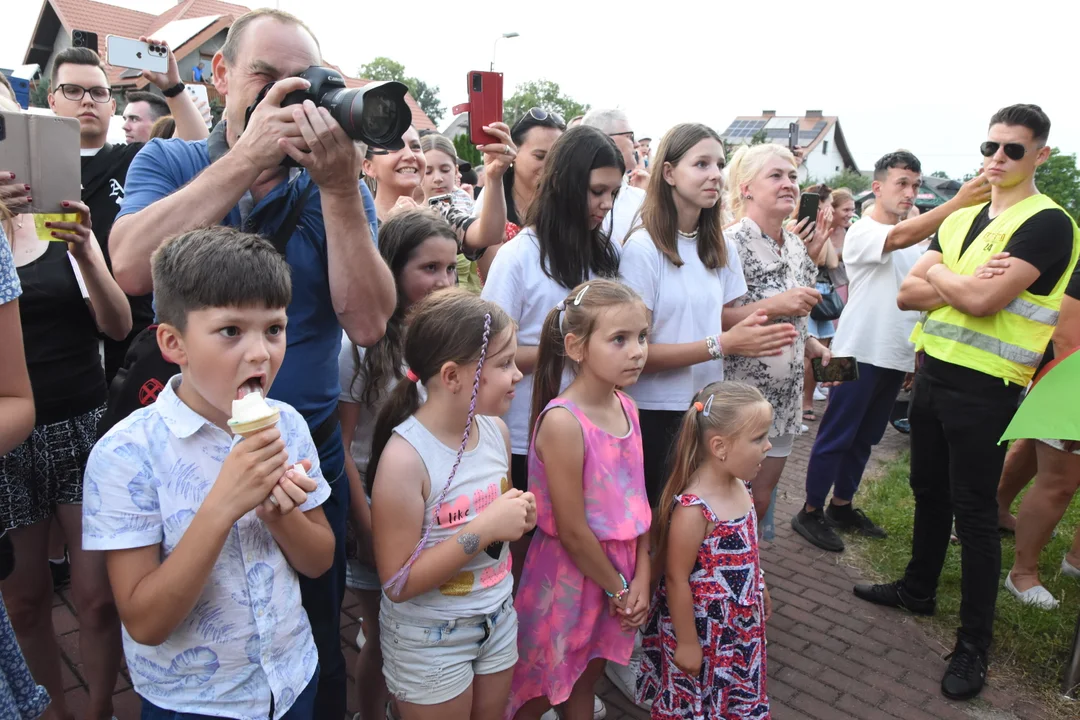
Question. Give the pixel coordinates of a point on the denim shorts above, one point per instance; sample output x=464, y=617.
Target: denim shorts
x=427, y=662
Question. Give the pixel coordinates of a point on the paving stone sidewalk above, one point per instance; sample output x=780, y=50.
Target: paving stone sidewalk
x=830, y=656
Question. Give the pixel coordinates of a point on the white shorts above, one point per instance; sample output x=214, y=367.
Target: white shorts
x=1059, y=445
x=781, y=446
x=427, y=662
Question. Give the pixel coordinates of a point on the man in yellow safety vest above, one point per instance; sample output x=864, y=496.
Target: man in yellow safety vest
x=981, y=340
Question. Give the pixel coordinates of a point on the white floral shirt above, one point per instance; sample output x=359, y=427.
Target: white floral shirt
x=771, y=268
x=248, y=637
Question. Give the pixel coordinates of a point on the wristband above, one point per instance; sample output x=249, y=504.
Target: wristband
x=622, y=593
x=713, y=344
x=174, y=90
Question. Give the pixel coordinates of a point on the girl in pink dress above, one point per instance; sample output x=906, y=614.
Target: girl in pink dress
x=585, y=586
x=704, y=642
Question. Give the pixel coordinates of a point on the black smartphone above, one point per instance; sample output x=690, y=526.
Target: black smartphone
x=793, y=137
x=839, y=369
x=808, y=206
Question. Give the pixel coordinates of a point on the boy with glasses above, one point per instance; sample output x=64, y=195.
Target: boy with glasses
x=982, y=340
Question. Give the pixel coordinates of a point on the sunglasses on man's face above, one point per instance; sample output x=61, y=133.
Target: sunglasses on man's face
x=1013, y=151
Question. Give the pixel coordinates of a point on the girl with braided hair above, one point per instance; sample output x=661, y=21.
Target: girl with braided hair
x=444, y=510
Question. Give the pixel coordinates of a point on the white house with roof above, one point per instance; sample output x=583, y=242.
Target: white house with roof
x=824, y=149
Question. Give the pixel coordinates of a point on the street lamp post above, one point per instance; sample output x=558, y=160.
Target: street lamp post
x=496, y=47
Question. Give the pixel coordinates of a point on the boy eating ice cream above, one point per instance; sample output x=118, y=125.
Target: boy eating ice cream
x=205, y=530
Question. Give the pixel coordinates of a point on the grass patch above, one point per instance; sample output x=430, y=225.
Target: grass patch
x=1030, y=645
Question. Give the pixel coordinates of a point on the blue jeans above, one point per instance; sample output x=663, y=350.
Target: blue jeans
x=302, y=709
x=854, y=422
x=322, y=596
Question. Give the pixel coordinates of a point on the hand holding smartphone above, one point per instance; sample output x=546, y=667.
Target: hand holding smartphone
x=839, y=369
x=132, y=53
x=808, y=207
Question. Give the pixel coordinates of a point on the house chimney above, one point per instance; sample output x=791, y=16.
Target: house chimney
x=813, y=113
x=768, y=113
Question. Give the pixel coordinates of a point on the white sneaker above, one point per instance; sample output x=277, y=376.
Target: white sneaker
x=599, y=711
x=624, y=677
x=1037, y=595
x=821, y=394
x=1068, y=569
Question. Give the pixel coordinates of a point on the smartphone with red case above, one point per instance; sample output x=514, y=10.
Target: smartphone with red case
x=485, y=105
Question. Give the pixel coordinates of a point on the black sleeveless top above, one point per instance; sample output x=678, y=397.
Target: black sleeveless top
x=61, y=339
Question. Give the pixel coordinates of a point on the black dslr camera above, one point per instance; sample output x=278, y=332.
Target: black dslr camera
x=375, y=114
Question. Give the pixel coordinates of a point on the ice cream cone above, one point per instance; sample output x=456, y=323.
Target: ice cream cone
x=247, y=429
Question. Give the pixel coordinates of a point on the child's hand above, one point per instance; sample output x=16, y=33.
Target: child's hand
x=530, y=515
x=688, y=657
x=506, y=518
x=290, y=493
x=250, y=471
x=768, y=602
x=637, y=603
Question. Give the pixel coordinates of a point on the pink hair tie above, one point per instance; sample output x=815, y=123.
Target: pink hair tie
x=411, y=376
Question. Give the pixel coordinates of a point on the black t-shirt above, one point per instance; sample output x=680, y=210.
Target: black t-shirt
x=1073, y=291
x=103, y=178
x=61, y=339
x=1044, y=240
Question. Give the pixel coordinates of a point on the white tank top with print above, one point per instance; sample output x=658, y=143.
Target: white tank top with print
x=485, y=582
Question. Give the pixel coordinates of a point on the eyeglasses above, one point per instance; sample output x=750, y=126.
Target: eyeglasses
x=629, y=133
x=76, y=92
x=541, y=115
x=1013, y=151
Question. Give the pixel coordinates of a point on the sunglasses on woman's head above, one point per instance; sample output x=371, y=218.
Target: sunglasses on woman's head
x=541, y=115
x=1013, y=151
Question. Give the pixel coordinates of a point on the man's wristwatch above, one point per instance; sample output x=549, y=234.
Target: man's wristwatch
x=174, y=90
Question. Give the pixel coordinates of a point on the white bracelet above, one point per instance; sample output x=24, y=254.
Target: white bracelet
x=712, y=342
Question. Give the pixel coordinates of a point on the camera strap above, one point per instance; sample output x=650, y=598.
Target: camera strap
x=285, y=231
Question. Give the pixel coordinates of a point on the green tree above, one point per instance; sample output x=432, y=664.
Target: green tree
x=940, y=174
x=467, y=151
x=1059, y=178
x=39, y=93
x=541, y=94
x=854, y=181
x=426, y=96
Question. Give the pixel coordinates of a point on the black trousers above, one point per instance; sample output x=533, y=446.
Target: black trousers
x=956, y=464
x=659, y=429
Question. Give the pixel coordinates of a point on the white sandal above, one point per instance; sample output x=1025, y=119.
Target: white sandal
x=1037, y=595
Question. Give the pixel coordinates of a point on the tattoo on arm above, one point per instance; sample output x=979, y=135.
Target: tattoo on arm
x=470, y=542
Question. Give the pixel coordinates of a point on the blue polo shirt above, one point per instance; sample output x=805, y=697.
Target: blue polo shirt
x=308, y=378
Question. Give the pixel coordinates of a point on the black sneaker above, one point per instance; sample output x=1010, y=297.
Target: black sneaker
x=814, y=527
x=845, y=517
x=966, y=674
x=895, y=595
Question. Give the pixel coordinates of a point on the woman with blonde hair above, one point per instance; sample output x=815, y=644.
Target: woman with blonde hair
x=763, y=184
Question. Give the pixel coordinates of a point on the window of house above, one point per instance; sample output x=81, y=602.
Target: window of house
x=824, y=147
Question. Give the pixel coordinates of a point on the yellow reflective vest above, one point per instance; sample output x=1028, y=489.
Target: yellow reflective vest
x=1010, y=343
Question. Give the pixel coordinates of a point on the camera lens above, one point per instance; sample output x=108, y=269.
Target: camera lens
x=377, y=118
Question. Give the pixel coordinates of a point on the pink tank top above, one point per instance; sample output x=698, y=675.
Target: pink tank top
x=613, y=478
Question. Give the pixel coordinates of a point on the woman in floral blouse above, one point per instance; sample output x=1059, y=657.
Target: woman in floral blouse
x=763, y=192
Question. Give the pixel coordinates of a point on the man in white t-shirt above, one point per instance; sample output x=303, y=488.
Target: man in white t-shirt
x=619, y=221
x=879, y=250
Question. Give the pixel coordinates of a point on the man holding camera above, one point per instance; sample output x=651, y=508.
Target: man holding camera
x=80, y=90
x=237, y=178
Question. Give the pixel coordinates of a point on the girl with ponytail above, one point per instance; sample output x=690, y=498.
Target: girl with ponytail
x=585, y=585
x=704, y=644
x=443, y=511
